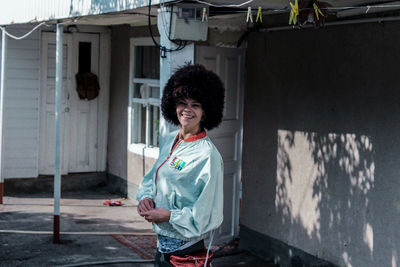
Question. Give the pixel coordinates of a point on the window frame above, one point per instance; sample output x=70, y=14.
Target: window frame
x=140, y=148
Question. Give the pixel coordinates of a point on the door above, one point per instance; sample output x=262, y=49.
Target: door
x=47, y=92
x=79, y=117
x=228, y=63
x=83, y=112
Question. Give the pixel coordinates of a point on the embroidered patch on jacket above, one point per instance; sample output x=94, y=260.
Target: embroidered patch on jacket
x=177, y=164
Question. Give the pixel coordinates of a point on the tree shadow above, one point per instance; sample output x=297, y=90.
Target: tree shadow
x=329, y=117
x=324, y=182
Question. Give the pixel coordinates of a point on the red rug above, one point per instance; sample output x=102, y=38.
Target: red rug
x=144, y=246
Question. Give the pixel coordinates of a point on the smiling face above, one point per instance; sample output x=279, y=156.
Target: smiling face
x=189, y=113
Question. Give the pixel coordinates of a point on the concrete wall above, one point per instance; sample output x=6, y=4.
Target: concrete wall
x=321, y=149
x=121, y=163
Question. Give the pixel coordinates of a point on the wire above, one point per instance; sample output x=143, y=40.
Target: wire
x=232, y=5
x=288, y=9
x=163, y=49
x=23, y=36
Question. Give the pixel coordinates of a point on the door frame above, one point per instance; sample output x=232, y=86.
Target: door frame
x=104, y=71
x=75, y=103
x=47, y=38
x=237, y=184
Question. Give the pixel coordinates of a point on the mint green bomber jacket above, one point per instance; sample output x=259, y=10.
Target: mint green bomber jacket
x=188, y=181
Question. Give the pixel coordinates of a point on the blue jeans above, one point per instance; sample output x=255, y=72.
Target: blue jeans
x=162, y=259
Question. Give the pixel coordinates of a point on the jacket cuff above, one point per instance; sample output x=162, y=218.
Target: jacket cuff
x=145, y=196
x=175, y=214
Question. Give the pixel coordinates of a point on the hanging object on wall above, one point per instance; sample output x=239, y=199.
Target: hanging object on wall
x=249, y=15
x=259, y=15
x=312, y=12
x=204, y=18
x=308, y=11
x=87, y=85
x=317, y=11
x=294, y=12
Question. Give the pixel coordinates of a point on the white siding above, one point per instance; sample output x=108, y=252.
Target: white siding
x=25, y=11
x=21, y=138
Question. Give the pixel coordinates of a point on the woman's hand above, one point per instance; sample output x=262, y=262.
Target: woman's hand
x=157, y=215
x=145, y=204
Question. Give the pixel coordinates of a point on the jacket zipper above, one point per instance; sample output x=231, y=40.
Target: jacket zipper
x=155, y=180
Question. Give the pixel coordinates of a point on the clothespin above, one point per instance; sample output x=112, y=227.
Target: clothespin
x=317, y=11
x=204, y=14
x=294, y=12
x=259, y=14
x=249, y=15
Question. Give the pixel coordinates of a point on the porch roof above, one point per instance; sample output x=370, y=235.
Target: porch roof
x=135, y=11
x=32, y=11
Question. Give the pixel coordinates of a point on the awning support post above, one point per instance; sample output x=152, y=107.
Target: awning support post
x=2, y=88
x=57, y=166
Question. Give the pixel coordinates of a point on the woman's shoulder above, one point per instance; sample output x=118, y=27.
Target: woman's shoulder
x=168, y=138
x=209, y=149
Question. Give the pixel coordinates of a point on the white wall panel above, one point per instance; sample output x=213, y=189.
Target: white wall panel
x=21, y=105
x=24, y=11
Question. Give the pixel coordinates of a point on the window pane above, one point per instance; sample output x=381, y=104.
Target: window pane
x=136, y=90
x=85, y=57
x=147, y=62
x=136, y=123
x=146, y=66
x=155, y=125
x=155, y=92
x=143, y=128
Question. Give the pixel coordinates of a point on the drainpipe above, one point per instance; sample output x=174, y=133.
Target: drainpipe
x=2, y=87
x=57, y=166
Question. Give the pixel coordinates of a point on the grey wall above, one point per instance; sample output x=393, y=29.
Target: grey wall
x=321, y=152
x=119, y=163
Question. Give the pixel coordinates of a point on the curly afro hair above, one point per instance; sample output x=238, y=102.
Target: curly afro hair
x=196, y=82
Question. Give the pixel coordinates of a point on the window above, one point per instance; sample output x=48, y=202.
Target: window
x=144, y=97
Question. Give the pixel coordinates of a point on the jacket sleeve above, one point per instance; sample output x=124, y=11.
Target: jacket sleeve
x=207, y=212
x=146, y=186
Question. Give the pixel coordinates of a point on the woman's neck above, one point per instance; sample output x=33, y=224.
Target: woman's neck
x=187, y=133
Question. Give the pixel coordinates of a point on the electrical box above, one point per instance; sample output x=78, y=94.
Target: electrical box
x=187, y=22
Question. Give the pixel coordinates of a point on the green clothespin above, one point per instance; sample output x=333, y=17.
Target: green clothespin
x=317, y=11
x=294, y=12
x=259, y=14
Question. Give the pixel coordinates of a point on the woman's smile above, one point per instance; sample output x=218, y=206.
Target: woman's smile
x=189, y=113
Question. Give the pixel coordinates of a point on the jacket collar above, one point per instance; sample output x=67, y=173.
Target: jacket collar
x=196, y=137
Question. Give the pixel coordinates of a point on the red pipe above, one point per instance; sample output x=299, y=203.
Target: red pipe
x=56, y=229
x=1, y=192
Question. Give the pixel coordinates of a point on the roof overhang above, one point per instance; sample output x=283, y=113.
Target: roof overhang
x=34, y=11
x=135, y=12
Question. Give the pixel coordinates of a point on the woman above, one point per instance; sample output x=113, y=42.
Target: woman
x=182, y=195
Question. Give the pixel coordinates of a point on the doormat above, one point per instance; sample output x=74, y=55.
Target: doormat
x=144, y=246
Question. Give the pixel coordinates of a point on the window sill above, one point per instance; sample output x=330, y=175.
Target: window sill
x=140, y=149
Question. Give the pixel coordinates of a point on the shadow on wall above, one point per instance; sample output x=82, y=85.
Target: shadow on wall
x=325, y=192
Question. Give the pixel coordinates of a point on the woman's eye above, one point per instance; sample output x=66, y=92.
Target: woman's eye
x=196, y=105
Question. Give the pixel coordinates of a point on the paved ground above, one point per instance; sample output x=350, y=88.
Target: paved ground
x=26, y=224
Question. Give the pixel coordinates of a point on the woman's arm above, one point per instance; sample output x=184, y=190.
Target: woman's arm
x=145, y=190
